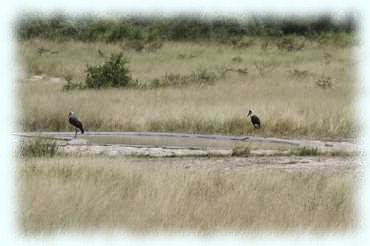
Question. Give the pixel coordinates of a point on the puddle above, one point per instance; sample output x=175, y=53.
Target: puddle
x=160, y=141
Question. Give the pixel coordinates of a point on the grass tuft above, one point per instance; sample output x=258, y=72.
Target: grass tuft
x=241, y=150
x=305, y=151
x=38, y=148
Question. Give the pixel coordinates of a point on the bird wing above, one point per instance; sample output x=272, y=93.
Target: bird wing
x=75, y=122
x=256, y=121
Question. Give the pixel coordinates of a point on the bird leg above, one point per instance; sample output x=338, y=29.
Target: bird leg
x=75, y=133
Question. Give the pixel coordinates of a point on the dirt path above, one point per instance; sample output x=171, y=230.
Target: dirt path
x=196, y=158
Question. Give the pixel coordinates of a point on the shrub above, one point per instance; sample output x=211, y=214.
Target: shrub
x=113, y=73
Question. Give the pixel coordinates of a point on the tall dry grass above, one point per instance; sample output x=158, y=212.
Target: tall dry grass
x=280, y=86
x=141, y=195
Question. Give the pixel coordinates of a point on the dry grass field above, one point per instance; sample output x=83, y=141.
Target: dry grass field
x=189, y=87
x=304, y=93
x=72, y=193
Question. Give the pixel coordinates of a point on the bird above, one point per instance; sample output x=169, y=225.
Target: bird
x=76, y=123
x=254, y=119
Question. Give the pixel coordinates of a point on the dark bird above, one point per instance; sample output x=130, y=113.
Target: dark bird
x=74, y=121
x=254, y=119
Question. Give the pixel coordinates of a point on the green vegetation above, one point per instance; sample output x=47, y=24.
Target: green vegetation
x=144, y=194
x=146, y=31
x=112, y=73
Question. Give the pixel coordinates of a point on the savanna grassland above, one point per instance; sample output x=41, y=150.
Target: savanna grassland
x=306, y=91
x=160, y=194
x=189, y=76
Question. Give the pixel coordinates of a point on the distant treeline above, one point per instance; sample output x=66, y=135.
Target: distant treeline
x=178, y=28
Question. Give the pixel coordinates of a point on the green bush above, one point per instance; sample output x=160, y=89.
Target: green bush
x=113, y=73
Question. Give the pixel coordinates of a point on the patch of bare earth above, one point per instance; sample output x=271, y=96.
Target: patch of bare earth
x=209, y=157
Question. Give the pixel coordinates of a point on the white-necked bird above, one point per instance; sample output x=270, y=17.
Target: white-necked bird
x=254, y=119
x=76, y=123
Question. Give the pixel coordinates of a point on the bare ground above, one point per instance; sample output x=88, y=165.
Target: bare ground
x=202, y=155
x=245, y=164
